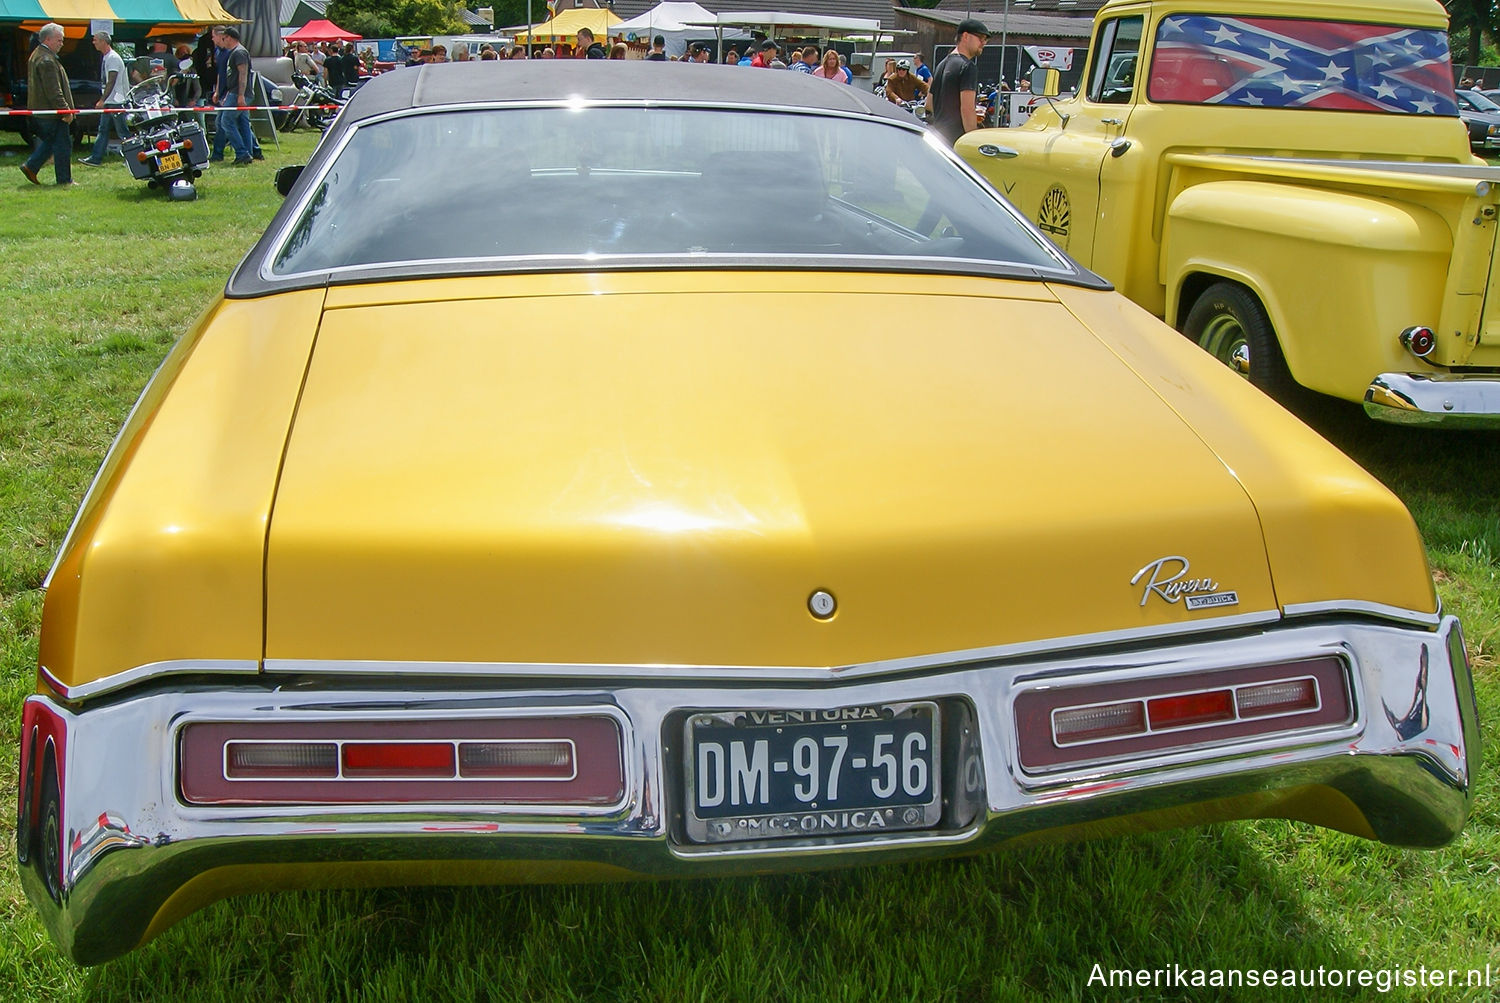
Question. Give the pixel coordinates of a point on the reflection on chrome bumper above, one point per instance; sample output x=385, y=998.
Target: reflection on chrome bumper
x=1452, y=400
x=111, y=854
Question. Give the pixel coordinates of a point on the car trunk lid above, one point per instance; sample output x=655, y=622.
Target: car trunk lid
x=649, y=470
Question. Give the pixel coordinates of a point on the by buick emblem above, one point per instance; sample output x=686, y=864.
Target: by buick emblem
x=1167, y=578
x=821, y=604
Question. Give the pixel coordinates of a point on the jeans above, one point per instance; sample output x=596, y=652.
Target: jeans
x=108, y=121
x=236, y=127
x=54, y=138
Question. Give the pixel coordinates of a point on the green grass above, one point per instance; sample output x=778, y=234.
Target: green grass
x=98, y=282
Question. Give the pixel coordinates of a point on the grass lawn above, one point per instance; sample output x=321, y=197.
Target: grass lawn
x=99, y=281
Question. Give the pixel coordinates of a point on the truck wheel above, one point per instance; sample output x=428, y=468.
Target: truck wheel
x=1229, y=323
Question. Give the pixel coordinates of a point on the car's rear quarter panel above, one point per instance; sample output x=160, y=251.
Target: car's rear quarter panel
x=165, y=561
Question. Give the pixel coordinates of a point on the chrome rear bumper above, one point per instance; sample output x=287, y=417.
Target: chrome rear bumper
x=123, y=856
x=1452, y=400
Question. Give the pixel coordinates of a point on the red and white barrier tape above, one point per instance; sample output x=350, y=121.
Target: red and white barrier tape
x=191, y=111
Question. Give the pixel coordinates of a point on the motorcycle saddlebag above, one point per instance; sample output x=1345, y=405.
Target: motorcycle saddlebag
x=130, y=147
x=198, y=155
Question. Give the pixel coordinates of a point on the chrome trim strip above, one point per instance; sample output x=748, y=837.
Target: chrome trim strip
x=1450, y=400
x=766, y=673
x=150, y=671
x=1360, y=607
x=736, y=673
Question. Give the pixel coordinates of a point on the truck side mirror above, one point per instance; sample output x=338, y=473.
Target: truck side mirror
x=1046, y=81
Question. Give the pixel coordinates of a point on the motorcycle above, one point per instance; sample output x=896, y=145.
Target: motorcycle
x=310, y=94
x=164, y=150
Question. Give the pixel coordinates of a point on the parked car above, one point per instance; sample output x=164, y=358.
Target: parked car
x=1482, y=117
x=538, y=504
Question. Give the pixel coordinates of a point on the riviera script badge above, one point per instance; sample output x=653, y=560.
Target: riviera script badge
x=1167, y=577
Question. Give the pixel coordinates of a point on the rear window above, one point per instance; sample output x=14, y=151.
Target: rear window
x=532, y=185
x=1295, y=63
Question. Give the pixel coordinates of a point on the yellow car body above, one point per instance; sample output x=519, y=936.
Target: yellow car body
x=360, y=515
x=1345, y=226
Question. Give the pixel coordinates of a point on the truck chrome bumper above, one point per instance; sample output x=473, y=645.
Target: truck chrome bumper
x=111, y=853
x=1451, y=400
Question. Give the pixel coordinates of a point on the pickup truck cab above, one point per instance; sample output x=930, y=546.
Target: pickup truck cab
x=1289, y=184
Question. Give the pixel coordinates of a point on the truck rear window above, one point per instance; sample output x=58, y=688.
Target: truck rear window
x=1296, y=63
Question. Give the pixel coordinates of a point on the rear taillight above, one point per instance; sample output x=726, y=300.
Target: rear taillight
x=517, y=760
x=1286, y=697
x=1187, y=709
x=1089, y=724
x=399, y=759
x=251, y=760
x=508, y=761
x=1068, y=724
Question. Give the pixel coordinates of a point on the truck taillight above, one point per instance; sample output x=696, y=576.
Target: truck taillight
x=1419, y=341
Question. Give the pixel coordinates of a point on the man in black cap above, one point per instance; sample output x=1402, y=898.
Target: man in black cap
x=956, y=81
x=658, y=52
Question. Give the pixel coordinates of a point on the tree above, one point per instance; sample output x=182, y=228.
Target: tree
x=1470, y=21
x=387, y=19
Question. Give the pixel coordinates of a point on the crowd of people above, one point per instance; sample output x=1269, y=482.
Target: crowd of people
x=219, y=68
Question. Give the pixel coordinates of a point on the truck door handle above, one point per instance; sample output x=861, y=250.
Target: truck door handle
x=1003, y=152
x=1112, y=121
x=1118, y=147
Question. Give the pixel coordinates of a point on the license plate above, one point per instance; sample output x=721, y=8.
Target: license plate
x=797, y=774
x=170, y=162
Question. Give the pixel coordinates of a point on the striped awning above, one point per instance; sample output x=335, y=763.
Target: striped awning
x=119, y=11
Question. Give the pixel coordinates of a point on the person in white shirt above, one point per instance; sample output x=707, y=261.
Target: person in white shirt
x=115, y=83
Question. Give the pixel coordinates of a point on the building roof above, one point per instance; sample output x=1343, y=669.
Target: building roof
x=296, y=13
x=880, y=10
x=1080, y=8
x=1016, y=25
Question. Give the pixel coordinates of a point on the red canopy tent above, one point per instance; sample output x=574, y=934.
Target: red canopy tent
x=322, y=31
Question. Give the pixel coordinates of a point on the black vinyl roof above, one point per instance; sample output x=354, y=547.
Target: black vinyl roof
x=534, y=80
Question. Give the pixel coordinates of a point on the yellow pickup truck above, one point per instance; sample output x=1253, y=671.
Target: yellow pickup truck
x=1286, y=182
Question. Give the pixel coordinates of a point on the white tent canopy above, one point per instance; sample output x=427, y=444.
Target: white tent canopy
x=671, y=20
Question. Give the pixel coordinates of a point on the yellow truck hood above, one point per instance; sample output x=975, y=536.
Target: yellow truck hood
x=624, y=472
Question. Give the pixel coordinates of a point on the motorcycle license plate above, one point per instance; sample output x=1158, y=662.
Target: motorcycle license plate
x=170, y=162
x=789, y=774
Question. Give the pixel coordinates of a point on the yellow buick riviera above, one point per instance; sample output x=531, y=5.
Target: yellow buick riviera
x=600, y=470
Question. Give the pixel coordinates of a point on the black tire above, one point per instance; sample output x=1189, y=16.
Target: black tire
x=24, y=797
x=49, y=855
x=1228, y=322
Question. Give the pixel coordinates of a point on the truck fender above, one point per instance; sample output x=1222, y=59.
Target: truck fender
x=1339, y=274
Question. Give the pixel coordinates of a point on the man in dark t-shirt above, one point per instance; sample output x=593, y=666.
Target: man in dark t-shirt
x=351, y=65
x=658, y=49
x=956, y=81
x=333, y=65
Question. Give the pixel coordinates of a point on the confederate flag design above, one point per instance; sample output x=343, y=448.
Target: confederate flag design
x=1292, y=63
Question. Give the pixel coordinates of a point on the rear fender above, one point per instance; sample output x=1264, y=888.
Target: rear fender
x=1340, y=274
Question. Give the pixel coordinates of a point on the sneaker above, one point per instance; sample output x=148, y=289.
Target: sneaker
x=216, y=160
x=242, y=162
x=258, y=156
x=30, y=174
x=86, y=162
